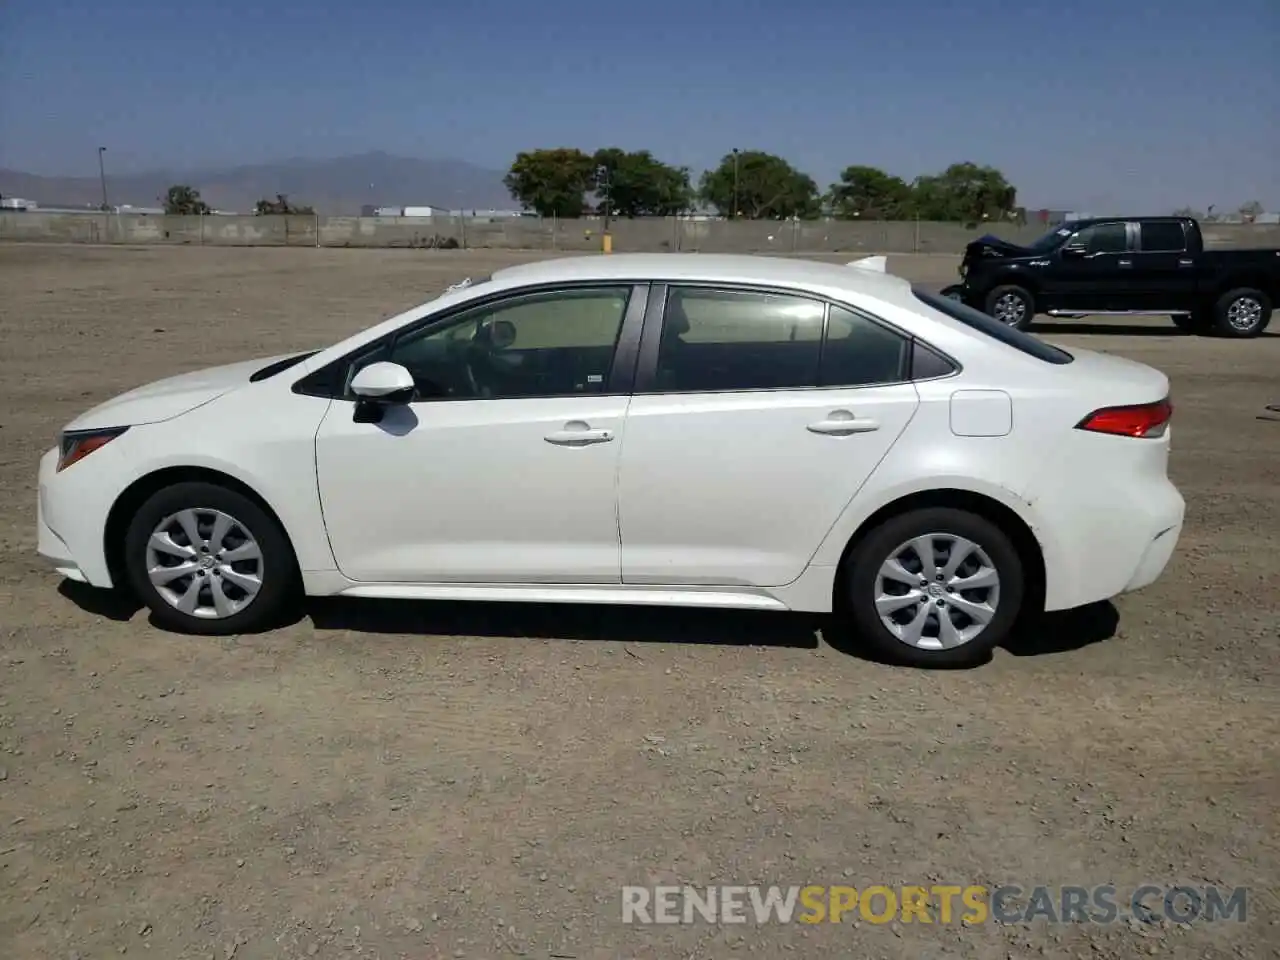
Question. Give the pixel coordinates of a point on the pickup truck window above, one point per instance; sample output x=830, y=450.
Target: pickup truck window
x=1009, y=336
x=1101, y=238
x=1163, y=236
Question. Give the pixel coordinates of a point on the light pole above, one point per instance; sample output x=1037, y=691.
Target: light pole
x=102, y=175
x=733, y=214
x=602, y=183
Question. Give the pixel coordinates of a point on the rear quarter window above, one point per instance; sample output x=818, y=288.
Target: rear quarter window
x=1032, y=346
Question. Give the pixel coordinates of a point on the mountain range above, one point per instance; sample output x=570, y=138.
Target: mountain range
x=338, y=186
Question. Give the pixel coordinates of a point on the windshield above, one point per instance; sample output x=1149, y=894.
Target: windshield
x=977, y=320
x=1054, y=237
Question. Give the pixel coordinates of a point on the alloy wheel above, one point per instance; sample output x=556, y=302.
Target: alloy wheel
x=937, y=591
x=1244, y=313
x=204, y=563
x=1011, y=309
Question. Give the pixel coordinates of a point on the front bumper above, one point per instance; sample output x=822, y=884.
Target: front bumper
x=70, y=507
x=52, y=548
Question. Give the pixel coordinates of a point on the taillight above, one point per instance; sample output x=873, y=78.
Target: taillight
x=77, y=445
x=1137, y=420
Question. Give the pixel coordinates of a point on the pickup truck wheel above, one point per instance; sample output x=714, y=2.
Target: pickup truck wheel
x=1243, y=312
x=1012, y=305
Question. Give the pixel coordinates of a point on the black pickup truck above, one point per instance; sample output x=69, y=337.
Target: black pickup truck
x=1123, y=265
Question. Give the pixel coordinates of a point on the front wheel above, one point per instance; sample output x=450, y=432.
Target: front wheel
x=936, y=587
x=1012, y=305
x=208, y=560
x=1241, y=313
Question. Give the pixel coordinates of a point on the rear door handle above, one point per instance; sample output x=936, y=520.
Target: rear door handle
x=1126, y=263
x=577, y=433
x=1186, y=263
x=842, y=423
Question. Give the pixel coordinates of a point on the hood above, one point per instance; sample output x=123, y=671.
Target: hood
x=170, y=397
x=990, y=245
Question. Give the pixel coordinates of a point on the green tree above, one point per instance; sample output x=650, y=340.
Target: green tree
x=768, y=187
x=551, y=182
x=964, y=191
x=871, y=194
x=184, y=201
x=639, y=185
x=281, y=206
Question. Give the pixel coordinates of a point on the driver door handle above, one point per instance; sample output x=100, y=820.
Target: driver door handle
x=1126, y=263
x=842, y=423
x=576, y=433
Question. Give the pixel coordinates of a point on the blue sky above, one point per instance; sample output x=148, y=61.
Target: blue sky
x=1142, y=106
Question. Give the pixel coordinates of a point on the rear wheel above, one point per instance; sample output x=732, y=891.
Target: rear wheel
x=936, y=587
x=1012, y=305
x=208, y=560
x=1243, y=312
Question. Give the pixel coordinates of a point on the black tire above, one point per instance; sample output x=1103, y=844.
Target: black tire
x=1235, y=300
x=276, y=569
x=861, y=577
x=1196, y=324
x=1028, y=303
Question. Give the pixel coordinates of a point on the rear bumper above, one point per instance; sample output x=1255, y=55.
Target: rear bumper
x=1155, y=558
x=1114, y=548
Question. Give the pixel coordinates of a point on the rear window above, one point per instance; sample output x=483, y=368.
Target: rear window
x=1010, y=336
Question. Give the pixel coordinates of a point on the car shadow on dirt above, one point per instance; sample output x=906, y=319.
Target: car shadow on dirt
x=1041, y=635
x=116, y=605
x=568, y=621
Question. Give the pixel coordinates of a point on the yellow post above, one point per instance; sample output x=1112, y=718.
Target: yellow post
x=608, y=243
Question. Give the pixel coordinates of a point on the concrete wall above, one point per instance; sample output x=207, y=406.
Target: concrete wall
x=529, y=233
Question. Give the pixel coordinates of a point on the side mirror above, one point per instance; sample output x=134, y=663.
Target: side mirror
x=383, y=382
x=379, y=386
x=1075, y=250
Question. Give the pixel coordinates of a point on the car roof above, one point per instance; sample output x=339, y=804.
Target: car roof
x=704, y=267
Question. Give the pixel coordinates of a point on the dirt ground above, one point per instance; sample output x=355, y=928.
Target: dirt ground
x=431, y=780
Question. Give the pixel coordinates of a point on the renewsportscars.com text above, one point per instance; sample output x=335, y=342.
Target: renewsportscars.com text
x=943, y=904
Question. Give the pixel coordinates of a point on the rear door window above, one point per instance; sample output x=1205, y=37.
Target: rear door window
x=1162, y=236
x=860, y=352
x=727, y=340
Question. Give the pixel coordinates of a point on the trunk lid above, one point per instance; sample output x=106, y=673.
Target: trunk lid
x=1105, y=380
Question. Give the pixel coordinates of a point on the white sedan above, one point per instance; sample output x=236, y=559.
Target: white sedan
x=673, y=429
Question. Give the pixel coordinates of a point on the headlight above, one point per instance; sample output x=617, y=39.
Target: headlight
x=75, y=445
